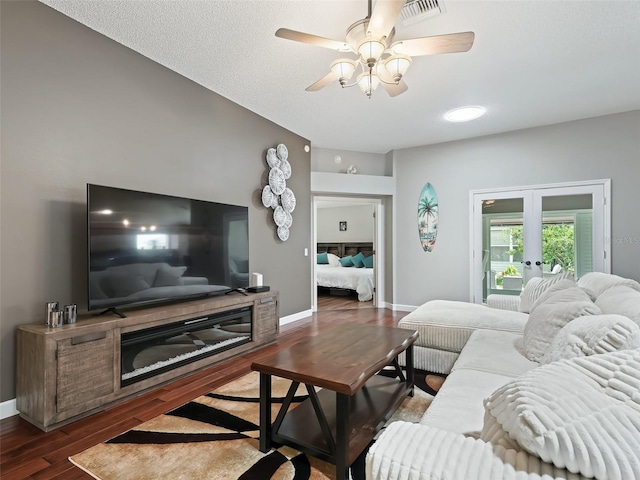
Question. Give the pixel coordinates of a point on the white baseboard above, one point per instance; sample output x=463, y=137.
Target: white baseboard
x=8, y=409
x=295, y=316
x=402, y=308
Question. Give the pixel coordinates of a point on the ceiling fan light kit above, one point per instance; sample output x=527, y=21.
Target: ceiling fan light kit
x=343, y=70
x=381, y=60
x=368, y=82
x=370, y=50
x=397, y=66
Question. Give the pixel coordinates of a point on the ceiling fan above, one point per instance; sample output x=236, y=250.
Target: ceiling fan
x=381, y=59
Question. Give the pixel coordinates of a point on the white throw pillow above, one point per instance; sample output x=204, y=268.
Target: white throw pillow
x=581, y=414
x=591, y=335
x=552, y=289
x=547, y=318
x=622, y=300
x=537, y=286
x=598, y=282
x=334, y=260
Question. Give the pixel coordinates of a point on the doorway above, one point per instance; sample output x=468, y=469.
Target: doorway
x=537, y=231
x=343, y=226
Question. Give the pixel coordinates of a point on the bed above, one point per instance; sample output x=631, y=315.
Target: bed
x=339, y=280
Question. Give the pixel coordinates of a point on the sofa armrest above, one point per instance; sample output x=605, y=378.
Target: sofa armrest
x=503, y=302
x=407, y=451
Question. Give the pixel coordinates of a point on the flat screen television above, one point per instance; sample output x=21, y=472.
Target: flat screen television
x=146, y=248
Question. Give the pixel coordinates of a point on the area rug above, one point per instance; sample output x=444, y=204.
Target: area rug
x=215, y=437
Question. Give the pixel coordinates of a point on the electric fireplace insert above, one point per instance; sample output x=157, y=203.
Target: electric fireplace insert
x=148, y=352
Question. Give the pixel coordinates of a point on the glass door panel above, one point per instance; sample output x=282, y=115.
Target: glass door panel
x=567, y=235
x=503, y=246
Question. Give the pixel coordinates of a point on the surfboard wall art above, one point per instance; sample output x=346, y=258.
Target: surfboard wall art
x=428, y=217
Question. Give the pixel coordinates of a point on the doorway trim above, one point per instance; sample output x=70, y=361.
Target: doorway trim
x=475, y=222
x=378, y=242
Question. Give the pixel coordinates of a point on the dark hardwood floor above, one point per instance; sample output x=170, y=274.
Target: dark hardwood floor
x=335, y=302
x=27, y=452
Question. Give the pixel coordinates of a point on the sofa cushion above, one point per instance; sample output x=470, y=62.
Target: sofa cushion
x=581, y=414
x=547, y=318
x=447, y=325
x=458, y=405
x=621, y=299
x=536, y=287
x=593, y=334
x=432, y=360
x=598, y=282
x=495, y=352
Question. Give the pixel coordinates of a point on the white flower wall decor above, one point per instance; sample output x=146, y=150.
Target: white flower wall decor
x=276, y=194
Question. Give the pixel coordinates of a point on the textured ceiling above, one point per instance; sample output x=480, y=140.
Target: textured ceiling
x=533, y=63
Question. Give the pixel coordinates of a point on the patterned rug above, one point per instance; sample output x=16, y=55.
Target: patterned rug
x=215, y=437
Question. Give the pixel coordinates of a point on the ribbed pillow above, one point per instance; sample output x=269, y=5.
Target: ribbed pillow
x=591, y=335
x=581, y=414
x=623, y=300
x=598, y=282
x=537, y=286
x=410, y=451
x=547, y=318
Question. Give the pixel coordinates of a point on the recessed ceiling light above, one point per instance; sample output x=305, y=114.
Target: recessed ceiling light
x=464, y=114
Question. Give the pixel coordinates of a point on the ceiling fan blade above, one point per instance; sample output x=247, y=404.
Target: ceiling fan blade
x=450, y=43
x=323, y=82
x=394, y=90
x=384, y=16
x=312, y=39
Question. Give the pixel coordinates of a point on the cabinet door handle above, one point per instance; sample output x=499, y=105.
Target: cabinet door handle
x=89, y=337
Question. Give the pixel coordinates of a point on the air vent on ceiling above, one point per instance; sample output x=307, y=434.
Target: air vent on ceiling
x=417, y=10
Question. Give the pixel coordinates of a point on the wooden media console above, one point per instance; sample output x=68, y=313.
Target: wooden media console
x=72, y=371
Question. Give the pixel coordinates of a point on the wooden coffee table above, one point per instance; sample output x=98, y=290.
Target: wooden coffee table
x=341, y=417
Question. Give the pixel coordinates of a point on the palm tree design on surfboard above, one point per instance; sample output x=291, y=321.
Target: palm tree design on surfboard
x=428, y=217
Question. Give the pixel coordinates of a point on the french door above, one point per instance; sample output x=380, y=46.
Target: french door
x=537, y=231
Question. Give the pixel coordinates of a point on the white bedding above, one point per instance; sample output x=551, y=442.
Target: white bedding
x=358, y=279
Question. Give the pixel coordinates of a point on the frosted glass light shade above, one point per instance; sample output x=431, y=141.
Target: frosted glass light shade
x=397, y=66
x=370, y=49
x=368, y=82
x=343, y=69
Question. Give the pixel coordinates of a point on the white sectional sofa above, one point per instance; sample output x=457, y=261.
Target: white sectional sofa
x=551, y=391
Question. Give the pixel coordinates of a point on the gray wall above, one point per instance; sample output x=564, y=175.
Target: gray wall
x=603, y=147
x=360, y=224
x=323, y=160
x=79, y=108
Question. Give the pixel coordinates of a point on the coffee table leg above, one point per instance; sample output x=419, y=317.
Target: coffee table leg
x=342, y=436
x=265, y=412
x=409, y=359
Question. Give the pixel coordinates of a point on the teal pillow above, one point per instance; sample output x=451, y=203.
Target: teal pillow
x=347, y=261
x=323, y=259
x=368, y=261
x=358, y=260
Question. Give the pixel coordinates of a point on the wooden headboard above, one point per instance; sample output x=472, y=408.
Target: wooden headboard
x=343, y=249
